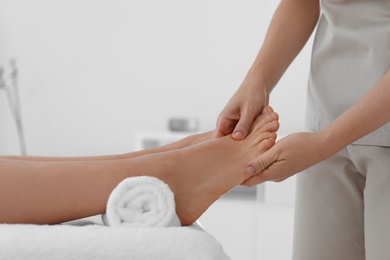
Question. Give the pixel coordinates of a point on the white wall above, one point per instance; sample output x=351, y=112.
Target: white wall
x=95, y=72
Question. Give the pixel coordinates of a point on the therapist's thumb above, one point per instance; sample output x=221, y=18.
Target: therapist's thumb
x=243, y=126
x=259, y=164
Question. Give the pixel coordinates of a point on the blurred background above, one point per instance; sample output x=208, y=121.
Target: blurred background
x=103, y=77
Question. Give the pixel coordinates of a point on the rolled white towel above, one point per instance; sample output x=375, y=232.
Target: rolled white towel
x=142, y=201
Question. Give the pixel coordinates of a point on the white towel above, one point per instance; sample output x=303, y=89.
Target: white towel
x=142, y=201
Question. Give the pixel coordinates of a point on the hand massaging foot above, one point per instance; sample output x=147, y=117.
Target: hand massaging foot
x=200, y=174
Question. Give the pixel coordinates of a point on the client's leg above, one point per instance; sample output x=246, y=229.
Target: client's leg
x=187, y=141
x=53, y=192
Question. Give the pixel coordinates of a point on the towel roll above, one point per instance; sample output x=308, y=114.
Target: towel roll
x=142, y=201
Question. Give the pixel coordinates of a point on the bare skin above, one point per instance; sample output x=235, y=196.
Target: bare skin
x=48, y=191
x=185, y=142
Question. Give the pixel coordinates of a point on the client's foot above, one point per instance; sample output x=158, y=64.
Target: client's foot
x=200, y=174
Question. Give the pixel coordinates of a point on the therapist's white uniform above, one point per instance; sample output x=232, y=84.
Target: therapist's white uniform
x=343, y=203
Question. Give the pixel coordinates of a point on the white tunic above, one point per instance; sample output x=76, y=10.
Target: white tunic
x=351, y=53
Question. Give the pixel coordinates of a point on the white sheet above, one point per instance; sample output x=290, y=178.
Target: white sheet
x=87, y=240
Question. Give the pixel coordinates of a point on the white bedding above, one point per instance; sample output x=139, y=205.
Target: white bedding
x=90, y=240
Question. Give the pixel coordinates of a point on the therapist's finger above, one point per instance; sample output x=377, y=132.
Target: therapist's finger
x=257, y=179
x=246, y=122
x=260, y=163
x=224, y=127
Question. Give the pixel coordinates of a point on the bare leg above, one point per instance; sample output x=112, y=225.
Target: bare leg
x=187, y=141
x=53, y=192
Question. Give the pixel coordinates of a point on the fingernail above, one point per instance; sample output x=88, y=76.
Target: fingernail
x=263, y=111
x=238, y=134
x=251, y=170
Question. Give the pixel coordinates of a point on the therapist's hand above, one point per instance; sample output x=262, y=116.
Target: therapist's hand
x=287, y=157
x=239, y=113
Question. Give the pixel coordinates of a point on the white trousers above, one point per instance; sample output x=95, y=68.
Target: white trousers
x=343, y=207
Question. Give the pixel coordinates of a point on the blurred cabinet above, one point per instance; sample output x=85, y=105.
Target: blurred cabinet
x=146, y=140
x=253, y=229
